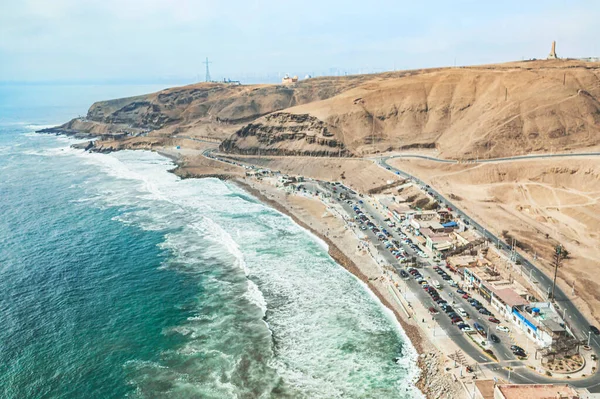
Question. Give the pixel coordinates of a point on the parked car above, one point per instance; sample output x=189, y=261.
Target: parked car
x=502, y=328
x=465, y=296
x=594, y=330
x=494, y=338
x=519, y=353
x=433, y=310
x=461, y=292
x=494, y=320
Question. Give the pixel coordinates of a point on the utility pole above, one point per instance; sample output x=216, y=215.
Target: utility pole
x=207, y=71
x=558, y=257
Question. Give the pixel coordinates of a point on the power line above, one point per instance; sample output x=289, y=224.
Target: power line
x=207, y=71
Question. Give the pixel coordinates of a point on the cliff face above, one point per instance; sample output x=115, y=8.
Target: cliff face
x=286, y=134
x=483, y=111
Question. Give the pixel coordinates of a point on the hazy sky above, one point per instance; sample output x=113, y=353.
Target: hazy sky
x=71, y=40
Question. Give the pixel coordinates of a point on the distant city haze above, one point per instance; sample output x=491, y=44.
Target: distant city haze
x=141, y=41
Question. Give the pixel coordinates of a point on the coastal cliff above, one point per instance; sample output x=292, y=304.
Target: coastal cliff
x=463, y=113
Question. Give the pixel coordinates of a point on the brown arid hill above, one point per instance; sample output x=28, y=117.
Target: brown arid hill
x=486, y=111
x=468, y=112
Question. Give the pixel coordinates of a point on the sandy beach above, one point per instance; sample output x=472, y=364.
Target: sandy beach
x=314, y=216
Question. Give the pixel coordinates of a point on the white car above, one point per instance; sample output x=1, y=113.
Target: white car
x=502, y=328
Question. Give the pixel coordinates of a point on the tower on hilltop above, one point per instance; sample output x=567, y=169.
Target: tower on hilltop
x=552, y=55
x=207, y=71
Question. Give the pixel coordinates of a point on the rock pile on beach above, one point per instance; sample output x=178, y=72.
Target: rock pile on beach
x=435, y=383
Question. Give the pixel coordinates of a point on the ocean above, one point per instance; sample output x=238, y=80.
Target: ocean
x=118, y=279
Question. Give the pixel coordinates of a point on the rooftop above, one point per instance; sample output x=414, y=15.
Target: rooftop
x=537, y=391
x=486, y=388
x=509, y=296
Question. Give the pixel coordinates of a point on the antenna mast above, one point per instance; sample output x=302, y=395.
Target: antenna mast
x=207, y=71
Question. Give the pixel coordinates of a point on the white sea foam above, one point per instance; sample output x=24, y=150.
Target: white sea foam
x=332, y=337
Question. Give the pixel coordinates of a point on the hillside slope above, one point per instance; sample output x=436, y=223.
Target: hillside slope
x=482, y=111
x=487, y=111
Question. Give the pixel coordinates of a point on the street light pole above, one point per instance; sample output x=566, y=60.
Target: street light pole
x=558, y=255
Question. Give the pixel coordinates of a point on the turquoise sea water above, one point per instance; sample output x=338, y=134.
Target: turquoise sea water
x=117, y=279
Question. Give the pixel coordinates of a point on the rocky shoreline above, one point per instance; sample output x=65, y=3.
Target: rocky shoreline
x=431, y=382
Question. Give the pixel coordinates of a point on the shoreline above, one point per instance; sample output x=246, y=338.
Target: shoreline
x=428, y=375
x=411, y=331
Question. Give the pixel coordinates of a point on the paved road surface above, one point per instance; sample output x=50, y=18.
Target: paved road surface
x=576, y=321
x=492, y=160
x=520, y=374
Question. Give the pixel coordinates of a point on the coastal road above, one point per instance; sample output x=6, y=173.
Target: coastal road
x=575, y=320
x=442, y=321
x=520, y=374
x=492, y=160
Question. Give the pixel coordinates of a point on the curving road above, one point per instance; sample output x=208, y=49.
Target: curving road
x=492, y=160
x=575, y=319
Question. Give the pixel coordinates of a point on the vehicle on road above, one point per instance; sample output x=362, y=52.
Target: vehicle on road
x=594, y=330
x=433, y=310
x=480, y=329
x=502, y=328
x=403, y=274
x=494, y=339
x=519, y=353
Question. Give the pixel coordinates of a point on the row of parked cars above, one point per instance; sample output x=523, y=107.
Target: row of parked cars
x=445, y=276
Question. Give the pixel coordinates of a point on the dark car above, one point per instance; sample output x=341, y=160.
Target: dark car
x=594, y=330
x=494, y=338
x=403, y=274
x=520, y=353
x=516, y=348
x=440, y=301
x=456, y=320
x=448, y=309
x=459, y=291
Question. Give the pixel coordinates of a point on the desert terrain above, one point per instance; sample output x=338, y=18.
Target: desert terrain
x=473, y=112
x=541, y=203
